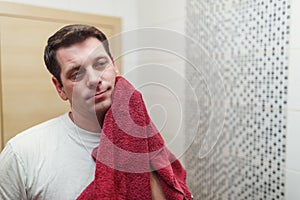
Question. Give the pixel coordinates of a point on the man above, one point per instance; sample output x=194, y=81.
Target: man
x=53, y=159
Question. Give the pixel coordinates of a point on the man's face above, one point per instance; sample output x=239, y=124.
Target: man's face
x=88, y=77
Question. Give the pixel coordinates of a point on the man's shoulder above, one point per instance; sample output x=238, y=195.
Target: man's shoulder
x=40, y=132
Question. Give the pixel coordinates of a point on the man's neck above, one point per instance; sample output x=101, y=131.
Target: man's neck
x=89, y=123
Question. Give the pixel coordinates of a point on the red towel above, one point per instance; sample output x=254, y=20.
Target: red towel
x=131, y=147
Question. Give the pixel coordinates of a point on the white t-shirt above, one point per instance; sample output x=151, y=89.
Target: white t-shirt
x=49, y=161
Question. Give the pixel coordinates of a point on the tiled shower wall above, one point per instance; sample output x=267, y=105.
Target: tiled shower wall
x=247, y=43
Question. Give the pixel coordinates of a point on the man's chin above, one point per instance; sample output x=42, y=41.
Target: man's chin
x=101, y=108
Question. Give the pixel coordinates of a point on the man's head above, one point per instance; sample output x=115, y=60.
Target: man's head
x=65, y=37
x=83, y=70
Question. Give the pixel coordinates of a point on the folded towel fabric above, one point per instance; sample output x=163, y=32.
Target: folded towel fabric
x=130, y=148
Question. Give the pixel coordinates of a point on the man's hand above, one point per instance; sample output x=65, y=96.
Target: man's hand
x=156, y=190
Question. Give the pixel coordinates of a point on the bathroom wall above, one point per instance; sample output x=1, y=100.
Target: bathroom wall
x=293, y=108
x=240, y=56
x=161, y=69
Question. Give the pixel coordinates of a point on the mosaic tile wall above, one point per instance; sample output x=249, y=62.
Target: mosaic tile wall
x=246, y=41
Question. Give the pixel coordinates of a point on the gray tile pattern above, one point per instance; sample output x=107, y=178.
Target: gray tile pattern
x=246, y=41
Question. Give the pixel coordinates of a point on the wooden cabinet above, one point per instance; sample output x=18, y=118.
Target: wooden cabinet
x=27, y=94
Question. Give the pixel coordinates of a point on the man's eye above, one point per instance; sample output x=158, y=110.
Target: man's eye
x=101, y=63
x=77, y=75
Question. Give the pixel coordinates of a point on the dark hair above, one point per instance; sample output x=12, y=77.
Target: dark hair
x=65, y=37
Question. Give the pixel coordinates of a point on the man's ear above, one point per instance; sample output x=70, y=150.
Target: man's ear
x=59, y=89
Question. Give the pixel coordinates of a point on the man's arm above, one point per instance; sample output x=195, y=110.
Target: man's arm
x=12, y=184
x=156, y=190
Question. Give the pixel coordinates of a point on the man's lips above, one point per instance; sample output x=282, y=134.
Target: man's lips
x=99, y=95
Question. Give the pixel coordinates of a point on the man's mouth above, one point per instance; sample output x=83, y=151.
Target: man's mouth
x=99, y=95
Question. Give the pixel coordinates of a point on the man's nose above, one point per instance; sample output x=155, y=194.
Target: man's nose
x=93, y=78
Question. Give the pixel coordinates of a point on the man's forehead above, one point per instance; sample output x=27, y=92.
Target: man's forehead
x=90, y=48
